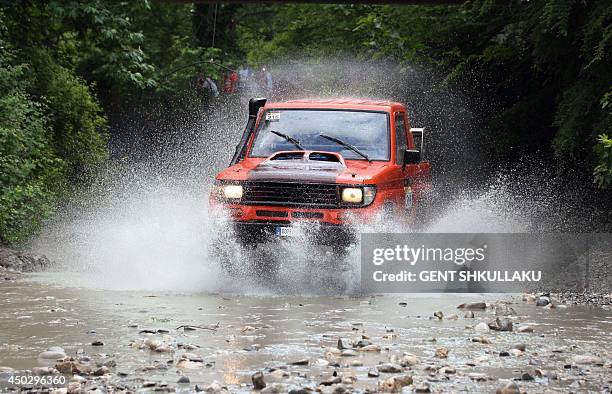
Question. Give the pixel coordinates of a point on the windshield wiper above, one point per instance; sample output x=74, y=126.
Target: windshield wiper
x=347, y=146
x=288, y=138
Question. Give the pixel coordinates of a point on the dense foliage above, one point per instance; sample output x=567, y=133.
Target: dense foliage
x=539, y=73
x=30, y=171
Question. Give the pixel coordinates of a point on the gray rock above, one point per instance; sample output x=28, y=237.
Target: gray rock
x=422, y=388
x=501, y=325
x=439, y=315
x=508, y=388
x=6, y=370
x=258, y=380
x=389, y=368
x=373, y=373
x=478, y=376
x=103, y=370
x=447, y=370
x=331, y=380
x=394, y=384
x=53, y=353
x=526, y=376
x=22, y=261
x=442, y=352
x=542, y=301
x=363, y=343
x=473, y=306
x=524, y=328
x=520, y=346
x=183, y=380
x=39, y=371
x=344, y=343
x=469, y=315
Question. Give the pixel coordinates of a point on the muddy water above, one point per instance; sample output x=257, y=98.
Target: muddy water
x=262, y=333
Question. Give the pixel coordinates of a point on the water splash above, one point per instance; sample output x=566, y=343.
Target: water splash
x=146, y=226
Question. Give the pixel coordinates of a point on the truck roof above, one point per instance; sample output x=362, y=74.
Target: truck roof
x=340, y=103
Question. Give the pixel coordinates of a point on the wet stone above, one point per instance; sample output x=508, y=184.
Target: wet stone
x=370, y=348
x=40, y=371
x=526, y=376
x=508, y=388
x=516, y=352
x=300, y=362
x=103, y=370
x=439, y=315
x=542, y=301
x=331, y=380
x=344, y=343
x=373, y=373
x=53, y=353
x=473, y=306
x=394, y=384
x=501, y=325
x=389, y=368
x=520, y=346
x=441, y=352
x=469, y=315
x=477, y=376
x=408, y=360
x=258, y=380
x=97, y=343
x=448, y=370
x=422, y=388
x=363, y=343
x=525, y=328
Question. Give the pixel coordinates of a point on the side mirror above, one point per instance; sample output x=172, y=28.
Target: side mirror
x=411, y=156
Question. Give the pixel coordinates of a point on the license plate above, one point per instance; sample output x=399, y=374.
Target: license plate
x=284, y=231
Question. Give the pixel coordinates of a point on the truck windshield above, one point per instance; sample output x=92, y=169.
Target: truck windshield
x=367, y=131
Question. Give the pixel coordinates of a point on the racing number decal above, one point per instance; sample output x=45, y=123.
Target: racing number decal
x=273, y=116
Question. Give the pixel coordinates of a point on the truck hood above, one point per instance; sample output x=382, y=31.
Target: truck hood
x=347, y=172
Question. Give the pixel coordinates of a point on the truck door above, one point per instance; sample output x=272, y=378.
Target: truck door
x=401, y=144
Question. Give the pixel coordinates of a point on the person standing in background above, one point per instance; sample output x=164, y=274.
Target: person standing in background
x=267, y=81
x=244, y=73
x=230, y=82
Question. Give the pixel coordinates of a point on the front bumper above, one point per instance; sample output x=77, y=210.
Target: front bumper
x=317, y=233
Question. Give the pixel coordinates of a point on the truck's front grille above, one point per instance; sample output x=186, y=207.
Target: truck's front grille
x=291, y=194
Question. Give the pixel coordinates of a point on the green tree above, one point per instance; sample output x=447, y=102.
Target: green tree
x=31, y=174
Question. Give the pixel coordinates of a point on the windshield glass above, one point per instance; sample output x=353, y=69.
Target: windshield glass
x=367, y=131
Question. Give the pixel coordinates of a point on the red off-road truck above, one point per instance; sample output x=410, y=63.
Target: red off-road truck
x=322, y=166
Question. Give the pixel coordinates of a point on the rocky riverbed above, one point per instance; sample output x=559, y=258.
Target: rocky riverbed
x=123, y=341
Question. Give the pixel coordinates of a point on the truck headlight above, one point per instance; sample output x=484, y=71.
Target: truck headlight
x=232, y=191
x=352, y=194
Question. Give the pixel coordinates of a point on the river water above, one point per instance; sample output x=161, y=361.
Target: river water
x=248, y=333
